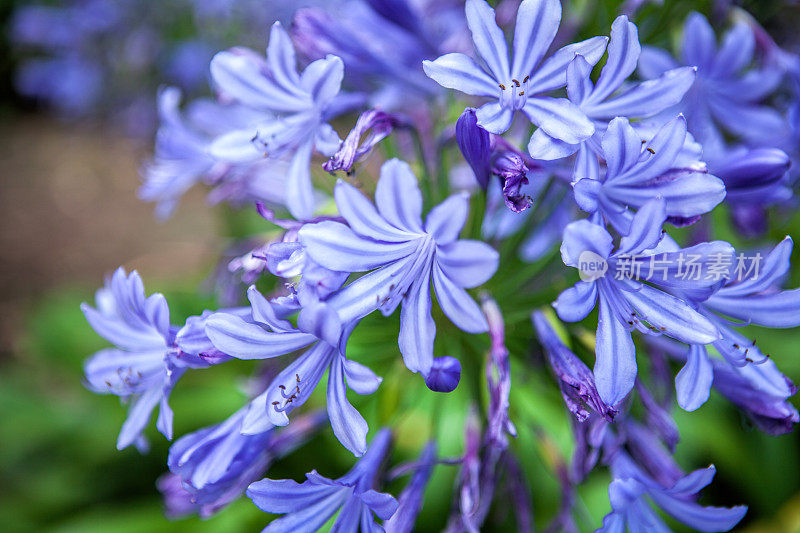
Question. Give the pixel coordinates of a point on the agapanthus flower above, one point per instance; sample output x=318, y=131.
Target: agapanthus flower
x=753, y=296
x=216, y=464
x=638, y=171
x=610, y=97
x=575, y=379
x=269, y=335
x=402, y=257
x=383, y=44
x=519, y=85
x=181, y=157
x=289, y=112
x=309, y=505
x=627, y=303
x=754, y=179
x=727, y=96
x=620, y=150
x=761, y=391
x=142, y=368
x=630, y=508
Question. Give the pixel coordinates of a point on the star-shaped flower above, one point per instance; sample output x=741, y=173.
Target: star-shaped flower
x=518, y=85
x=402, y=256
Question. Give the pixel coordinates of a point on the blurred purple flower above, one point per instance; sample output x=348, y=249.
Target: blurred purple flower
x=727, y=95
x=288, y=112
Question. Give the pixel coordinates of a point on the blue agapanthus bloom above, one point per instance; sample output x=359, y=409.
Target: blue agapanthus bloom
x=146, y=362
x=269, y=335
x=182, y=158
x=751, y=297
x=288, y=112
x=727, y=96
x=638, y=171
x=630, y=508
x=625, y=301
x=142, y=366
x=519, y=85
x=403, y=256
x=611, y=97
x=216, y=464
x=383, y=44
x=309, y=505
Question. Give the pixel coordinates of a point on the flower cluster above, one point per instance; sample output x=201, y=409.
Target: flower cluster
x=603, y=165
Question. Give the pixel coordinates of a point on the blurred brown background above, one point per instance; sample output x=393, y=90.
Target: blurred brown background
x=69, y=215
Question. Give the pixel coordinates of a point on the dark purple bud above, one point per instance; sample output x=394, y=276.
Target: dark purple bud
x=754, y=176
x=513, y=172
x=444, y=375
x=475, y=144
x=575, y=379
x=373, y=126
x=399, y=12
